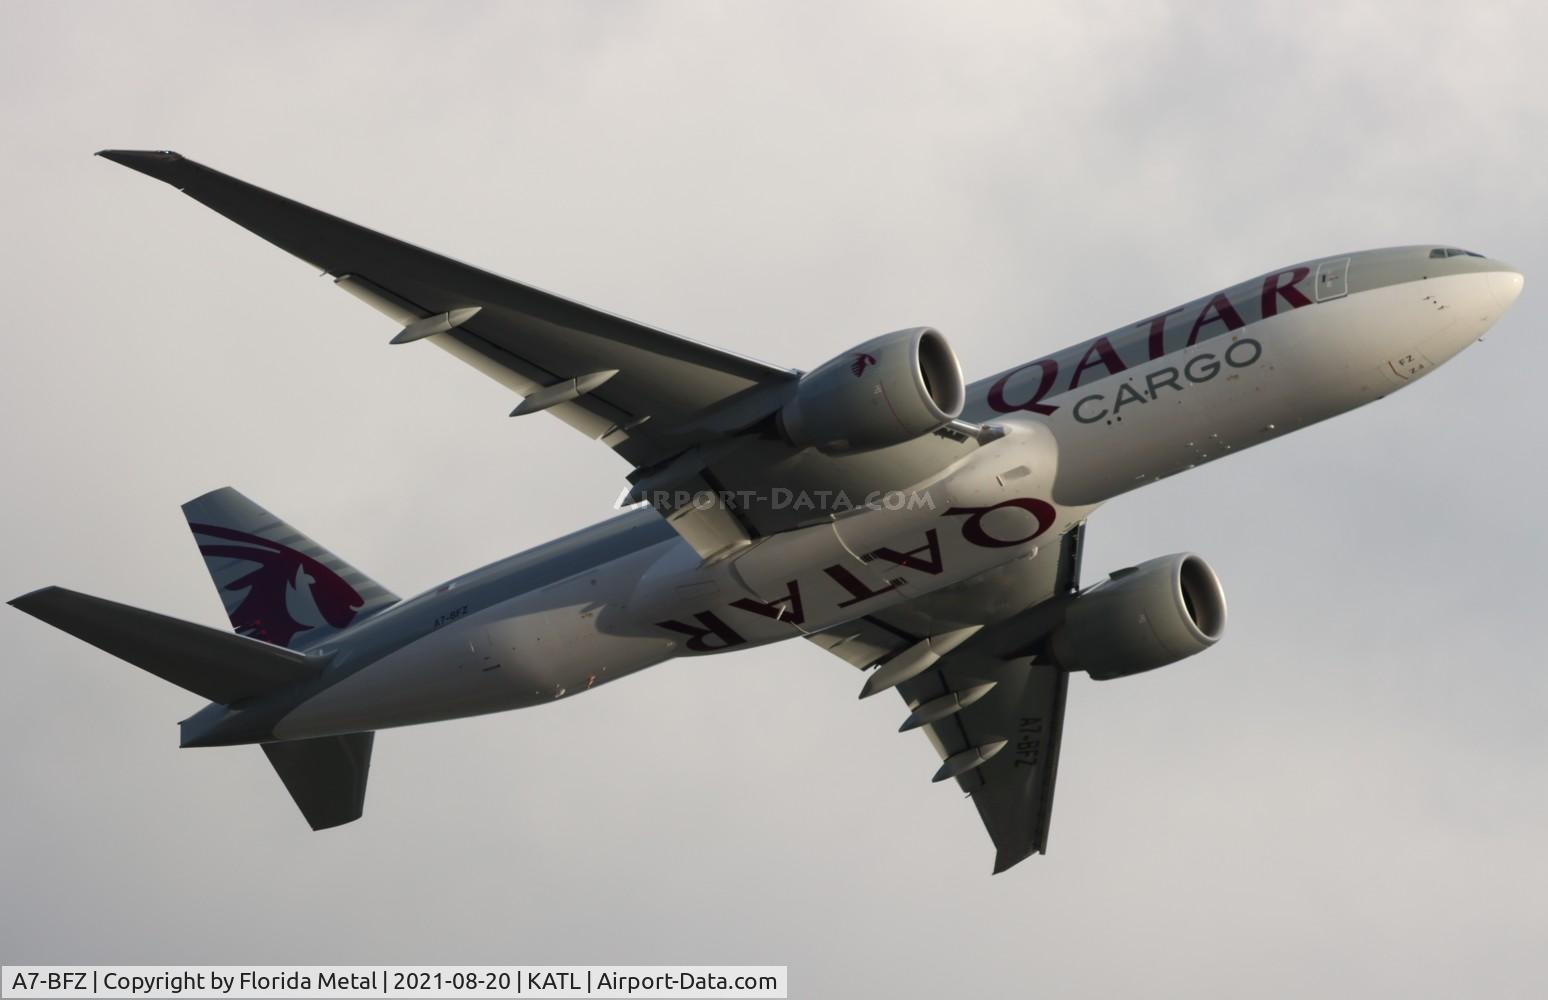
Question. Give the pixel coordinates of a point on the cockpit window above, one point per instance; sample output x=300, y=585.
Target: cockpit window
x=1453, y=252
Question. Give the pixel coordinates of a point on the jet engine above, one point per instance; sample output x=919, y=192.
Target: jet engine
x=1142, y=618
x=886, y=391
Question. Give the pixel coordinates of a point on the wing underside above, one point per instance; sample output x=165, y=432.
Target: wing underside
x=651, y=407
x=992, y=707
x=691, y=420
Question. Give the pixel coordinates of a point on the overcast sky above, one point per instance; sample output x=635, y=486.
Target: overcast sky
x=1348, y=796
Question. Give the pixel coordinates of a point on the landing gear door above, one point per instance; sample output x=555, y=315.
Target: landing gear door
x=1332, y=279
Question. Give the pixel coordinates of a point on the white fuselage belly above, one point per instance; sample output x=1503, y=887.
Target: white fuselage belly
x=1044, y=476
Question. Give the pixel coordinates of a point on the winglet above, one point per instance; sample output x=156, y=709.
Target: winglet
x=162, y=164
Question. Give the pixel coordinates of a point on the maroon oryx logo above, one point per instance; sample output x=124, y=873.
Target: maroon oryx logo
x=861, y=363
x=263, y=611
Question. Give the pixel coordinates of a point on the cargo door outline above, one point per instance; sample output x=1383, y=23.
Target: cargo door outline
x=1332, y=279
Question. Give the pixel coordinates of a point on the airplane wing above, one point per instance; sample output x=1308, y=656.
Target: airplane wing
x=643, y=392
x=993, y=711
x=689, y=418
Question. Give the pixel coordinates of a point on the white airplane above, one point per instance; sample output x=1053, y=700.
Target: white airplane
x=923, y=530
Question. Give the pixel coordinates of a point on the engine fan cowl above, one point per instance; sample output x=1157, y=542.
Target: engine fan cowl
x=1141, y=618
x=886, y=391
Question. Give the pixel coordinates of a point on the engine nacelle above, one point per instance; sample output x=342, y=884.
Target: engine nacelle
x=1142, y=618
x=884, y=392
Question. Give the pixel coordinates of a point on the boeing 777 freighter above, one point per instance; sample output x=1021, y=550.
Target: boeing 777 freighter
x=925, y=531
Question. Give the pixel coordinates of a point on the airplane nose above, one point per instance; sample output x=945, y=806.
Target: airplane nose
x=1505, y=285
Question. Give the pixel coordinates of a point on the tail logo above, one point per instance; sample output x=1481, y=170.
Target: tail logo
x=286, y=593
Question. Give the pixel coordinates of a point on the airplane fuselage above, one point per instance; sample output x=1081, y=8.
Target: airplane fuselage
x=1164, y=394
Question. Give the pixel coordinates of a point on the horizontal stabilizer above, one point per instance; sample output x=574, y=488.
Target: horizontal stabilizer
x=326, y=776
x=215, y=664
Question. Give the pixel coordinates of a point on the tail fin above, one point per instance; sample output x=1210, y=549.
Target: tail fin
x=325, y=776
x=277, y=584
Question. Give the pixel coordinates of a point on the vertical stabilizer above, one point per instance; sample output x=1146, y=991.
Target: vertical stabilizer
x=277, y=584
